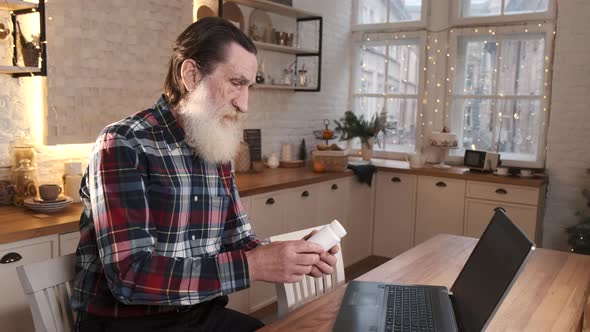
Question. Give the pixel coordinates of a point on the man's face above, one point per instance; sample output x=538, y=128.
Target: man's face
x=211, y=112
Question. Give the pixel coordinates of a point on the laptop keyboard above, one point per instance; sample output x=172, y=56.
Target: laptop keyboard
x=408, y=309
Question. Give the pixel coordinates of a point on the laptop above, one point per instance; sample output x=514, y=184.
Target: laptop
x=481, y=285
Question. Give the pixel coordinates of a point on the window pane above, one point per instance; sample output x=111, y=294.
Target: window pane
x=367, y=106
x=372, y=11
x=525, y=6
x=481, y=7
x=473, y=122
x=401, y=114
x=372, y=69
x=519, y=128
x=402, y=74
x=522, y=66
x=476, y=65
x=404, y=10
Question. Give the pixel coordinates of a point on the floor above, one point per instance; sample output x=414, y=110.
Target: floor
x=269, y=313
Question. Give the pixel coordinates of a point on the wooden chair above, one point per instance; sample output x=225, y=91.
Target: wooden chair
x=290, y=296
x=48, y=288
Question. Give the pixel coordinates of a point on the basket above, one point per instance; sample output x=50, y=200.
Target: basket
x=335, y=161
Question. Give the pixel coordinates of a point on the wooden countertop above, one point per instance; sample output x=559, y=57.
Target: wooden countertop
x=20, y=224
x=549, y=294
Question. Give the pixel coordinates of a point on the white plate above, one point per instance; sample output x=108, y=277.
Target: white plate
x=496, y=173
x=30, y=204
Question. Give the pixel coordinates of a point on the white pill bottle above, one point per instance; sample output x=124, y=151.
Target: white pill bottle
x=329, y=235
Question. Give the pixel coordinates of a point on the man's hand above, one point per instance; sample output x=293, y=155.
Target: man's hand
x=327, y=260
x=283, y=261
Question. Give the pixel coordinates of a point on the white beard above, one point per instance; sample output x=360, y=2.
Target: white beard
x=211, y=137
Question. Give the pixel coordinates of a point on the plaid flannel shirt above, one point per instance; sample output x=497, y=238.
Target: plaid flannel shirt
x=161, y=228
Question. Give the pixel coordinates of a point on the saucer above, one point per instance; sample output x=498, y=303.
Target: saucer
x=57, y=200
x=48, y=207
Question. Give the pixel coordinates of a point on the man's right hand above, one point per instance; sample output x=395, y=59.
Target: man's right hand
x=283, y=261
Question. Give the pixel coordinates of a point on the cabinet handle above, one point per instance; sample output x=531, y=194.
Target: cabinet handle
x=270, y=201
x=305, y=194
x=501, y=191
x=334, y=187
x=441, y=184
x=396, y=179
x=11, y=257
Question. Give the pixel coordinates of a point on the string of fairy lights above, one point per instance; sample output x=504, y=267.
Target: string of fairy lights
x=440, y=93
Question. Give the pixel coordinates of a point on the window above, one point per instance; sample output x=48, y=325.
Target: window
x=388, y=77
x=499, y=95
x=376, y=14
x=501, y=10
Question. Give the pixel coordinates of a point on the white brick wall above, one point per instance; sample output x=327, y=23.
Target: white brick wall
x=283, y=116
x=568, y=141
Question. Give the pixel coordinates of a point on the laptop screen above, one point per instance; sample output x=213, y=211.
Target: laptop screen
x=488, y=272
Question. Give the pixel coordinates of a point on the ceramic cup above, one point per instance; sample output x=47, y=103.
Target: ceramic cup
x=49, y=192
x=502, y=171
x=526, y=172
x=416, y=160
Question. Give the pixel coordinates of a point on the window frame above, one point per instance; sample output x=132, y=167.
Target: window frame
x=548, y=29
x=419, y=24
x=458, y=20
x=421, y=38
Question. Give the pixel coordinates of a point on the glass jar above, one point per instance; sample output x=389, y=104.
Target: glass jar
x=302, y=78
x=25, y=180
x=22, y=149
x=7, y=189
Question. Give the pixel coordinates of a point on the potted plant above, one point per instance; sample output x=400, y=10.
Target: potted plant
x=30, y=50
x=351, y=126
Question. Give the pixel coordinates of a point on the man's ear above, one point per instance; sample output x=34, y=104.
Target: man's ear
x=190, y=74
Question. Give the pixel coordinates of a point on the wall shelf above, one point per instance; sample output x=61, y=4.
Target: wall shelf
x=282, y=87
x=19, y=70
x=285, y=49
x=276, y=8
x=16, y=5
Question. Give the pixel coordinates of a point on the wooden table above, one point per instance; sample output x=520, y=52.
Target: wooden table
x=549, y=295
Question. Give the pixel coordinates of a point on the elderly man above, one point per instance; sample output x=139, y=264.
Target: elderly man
x=164, y=236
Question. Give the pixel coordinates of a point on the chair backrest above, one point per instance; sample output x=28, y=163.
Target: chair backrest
x=290, y=296
x=48, y=288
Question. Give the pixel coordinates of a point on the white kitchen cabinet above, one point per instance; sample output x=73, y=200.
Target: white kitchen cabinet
x=68, y=243
x=332, y=201
x=301, y=208
x=521, y=204
x=440, y=206
x=267, y=218
x=395, y=207
x=478, y=214
x=358, y=243
x=15, y=314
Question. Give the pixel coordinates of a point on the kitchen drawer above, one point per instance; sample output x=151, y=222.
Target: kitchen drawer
x=68, y=243
x=15, y=314
x=503, y=192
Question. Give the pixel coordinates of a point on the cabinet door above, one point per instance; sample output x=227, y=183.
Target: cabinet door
x=15, y=313
x=395, y=206
x=333, y=202
x=301, y=206
x=358, y=244
x=478, y=214
x=68, y=243
x=267, y=219
x=439, y=207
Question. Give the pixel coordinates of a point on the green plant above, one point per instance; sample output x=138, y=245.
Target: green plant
x=579, y=234
x=351, y=126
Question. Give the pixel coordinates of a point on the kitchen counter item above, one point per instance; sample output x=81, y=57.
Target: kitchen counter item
x=242, y=161
x=25, y=181
x=47, y=207
x=335, y=161
x=7, y=189
x=71, y=180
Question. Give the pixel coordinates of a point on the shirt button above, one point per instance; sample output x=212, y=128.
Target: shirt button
x=196, y=198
